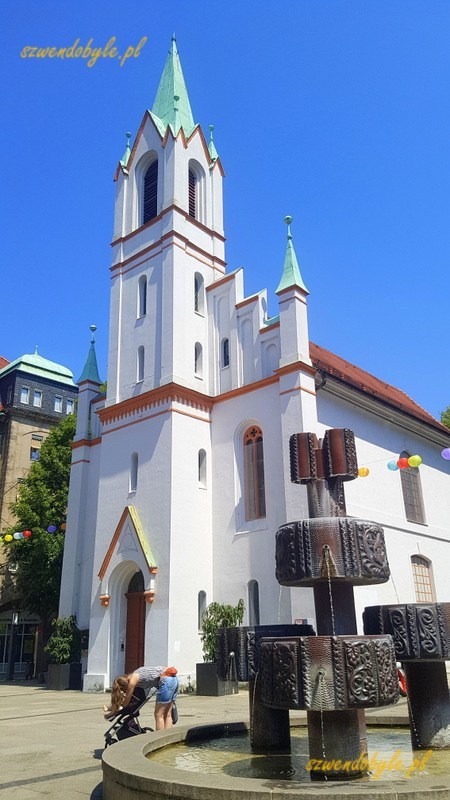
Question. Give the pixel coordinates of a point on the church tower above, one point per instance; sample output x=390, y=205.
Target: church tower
x=168, y=246
x=153, y=537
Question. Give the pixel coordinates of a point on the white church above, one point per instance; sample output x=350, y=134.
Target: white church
x=180, y=474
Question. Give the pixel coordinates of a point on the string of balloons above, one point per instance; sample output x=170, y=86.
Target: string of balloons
x=11, y=537
x=401, y=463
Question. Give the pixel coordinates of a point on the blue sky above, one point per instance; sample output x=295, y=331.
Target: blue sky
x=333, y=111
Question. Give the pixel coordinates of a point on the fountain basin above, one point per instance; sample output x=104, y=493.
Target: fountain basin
x=129, y=775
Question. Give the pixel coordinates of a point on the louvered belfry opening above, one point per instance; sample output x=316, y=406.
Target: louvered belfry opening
x=151, y=192
x=192, y=193
x=255, y=500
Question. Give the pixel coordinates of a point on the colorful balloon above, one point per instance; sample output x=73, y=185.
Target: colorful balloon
x=27, y=534
x=446, y=453
x=402, y=463
x=18, y=535
x=51, y=528
x=392, y=465
x=63, y=526
x=363, y=472
x=8, y=537
x=414, y=461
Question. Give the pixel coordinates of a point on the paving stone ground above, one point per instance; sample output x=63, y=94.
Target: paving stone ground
x=52, y=742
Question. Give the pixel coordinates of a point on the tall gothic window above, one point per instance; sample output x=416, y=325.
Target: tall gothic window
x=253, y=603
x=423, y=579
x=202, y=468
x=199, y=294
x=255, y=500
x=150, y=192
x=140, y=363
x=201, y=608
x=134, y=466
x=192, y=194
x=142, y=296
x=198, y=360
x=225, y=353
x=412, y=492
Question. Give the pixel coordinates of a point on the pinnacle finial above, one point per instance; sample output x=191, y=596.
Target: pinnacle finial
x=288, y=221
x=93, y=328
x=174, y=38
x=128, y=135
x=36, y=350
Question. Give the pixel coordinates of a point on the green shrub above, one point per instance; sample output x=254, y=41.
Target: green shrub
x=64, y=645
x=218, y=616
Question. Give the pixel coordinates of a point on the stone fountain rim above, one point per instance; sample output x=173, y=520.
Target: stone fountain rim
x=126, y=768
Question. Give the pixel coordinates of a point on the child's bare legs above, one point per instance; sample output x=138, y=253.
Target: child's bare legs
x=163, y=716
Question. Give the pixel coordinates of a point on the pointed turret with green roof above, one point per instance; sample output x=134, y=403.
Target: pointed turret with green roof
x=291, y=271
x=90, y=371
x=172, y=107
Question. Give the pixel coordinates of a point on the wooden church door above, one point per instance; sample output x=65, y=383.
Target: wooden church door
x=135, y=631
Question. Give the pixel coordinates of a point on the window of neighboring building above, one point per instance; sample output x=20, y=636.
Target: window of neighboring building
x=198, y=360
x=142, y=296
x=202, y=468
x=199, y=294
x=37, y=398
x=34, y=454
x=58, y=403
x=70, y=406
x=423, y=579
x=225, y=353
x=253, y=603
x=412, y=492
x=140, y=364
x=255, y=501
x=24, y=395
x=9, y=395
x=201, y=608
x=134, y=472
x=151, y=192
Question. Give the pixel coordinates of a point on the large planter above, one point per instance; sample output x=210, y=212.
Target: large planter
x=209, y=684
x=64, y=676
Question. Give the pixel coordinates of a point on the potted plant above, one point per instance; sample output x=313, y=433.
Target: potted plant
x=64, y=649
x=215, y=617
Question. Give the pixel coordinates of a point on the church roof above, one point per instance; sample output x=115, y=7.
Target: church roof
x=344, y=370
x=172, y=106
x=34, y=364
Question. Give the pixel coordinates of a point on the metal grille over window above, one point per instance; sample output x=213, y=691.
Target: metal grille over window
x=192, y=193
x=150, y=192
x=423, y=581
x=412, y=492
x=255, y=500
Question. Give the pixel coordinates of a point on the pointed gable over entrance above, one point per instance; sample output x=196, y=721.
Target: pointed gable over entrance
x=129, y=542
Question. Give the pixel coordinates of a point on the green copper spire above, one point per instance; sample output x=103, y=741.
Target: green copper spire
x=291, y=271
x=212, y=147
x=90, y=371
x=127, y=153
x=172, y=106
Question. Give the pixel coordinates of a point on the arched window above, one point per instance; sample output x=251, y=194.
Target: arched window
x=412, y=492
x=198, y=360
x=192, y=194
x=150, y=199
x=201, y=608
x=253, y=603
x=134, y=467
x=255, y=500
x=202, y=468
x=199, y=294
x=142, y=296
x=225, y=353
x=140, y=363
x=423, y=579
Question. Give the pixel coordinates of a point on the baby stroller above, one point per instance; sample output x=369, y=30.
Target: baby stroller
x=126, y=722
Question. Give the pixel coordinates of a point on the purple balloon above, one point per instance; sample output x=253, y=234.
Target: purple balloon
x=51, y=529
x=446, y=453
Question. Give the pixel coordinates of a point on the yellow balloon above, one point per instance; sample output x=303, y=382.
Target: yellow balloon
x=363, y=472
x=8, y=537
x=414, y=461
